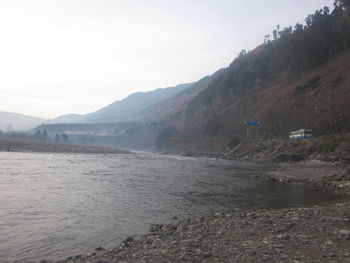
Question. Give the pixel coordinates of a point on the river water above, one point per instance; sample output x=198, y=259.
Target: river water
x=57, y=205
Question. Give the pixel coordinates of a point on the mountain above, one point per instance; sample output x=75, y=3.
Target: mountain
x=143, y=123
x=298, y=80
x=127, y=109
x=318, y=100
x=16, y=121
x=167, y=107
x=68, y=118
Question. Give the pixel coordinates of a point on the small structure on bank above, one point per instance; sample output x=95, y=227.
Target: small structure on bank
x=250, y=123
x=301, y=134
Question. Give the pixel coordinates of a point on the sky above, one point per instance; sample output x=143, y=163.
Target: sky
x=77, y=56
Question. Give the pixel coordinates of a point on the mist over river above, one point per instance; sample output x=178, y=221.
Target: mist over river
x=57, y=205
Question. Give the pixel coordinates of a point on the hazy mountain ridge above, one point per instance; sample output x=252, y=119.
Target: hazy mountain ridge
x=127, y=109
x=176, y=103
x=67, y=118
x=300, y=79
x=16, y=121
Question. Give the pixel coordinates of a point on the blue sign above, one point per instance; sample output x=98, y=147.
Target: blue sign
x=252, y=123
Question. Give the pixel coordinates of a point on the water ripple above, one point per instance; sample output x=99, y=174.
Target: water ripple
x=56, y=205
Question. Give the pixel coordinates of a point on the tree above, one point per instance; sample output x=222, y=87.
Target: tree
x=44, y=135
x=37, y=135
x=308, y=21
x=326, y=10
x=9, y=128
x=266, y=39
x=57, y=138
x=243, y=53
x=341, y=4
x=65, y=137
x=298, y=28
x=274, y=33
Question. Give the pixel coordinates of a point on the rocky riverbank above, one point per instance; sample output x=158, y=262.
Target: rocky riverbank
x=24, y=146
x=317, y=234
x=319, y=174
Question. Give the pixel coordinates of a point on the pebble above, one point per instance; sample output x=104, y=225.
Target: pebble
x=218, y=215
x=278, y=237
x=329, y=243
x=344, y=233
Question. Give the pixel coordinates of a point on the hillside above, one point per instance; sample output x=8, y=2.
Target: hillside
x=16, y=121
x=301, y=79
x=176, y=103
x=298, y=79
x=127, y=109
x=67, y=118
x=318, y=100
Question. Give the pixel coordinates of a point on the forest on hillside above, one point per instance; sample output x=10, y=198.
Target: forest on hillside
x=279, y=74
x=295, y=50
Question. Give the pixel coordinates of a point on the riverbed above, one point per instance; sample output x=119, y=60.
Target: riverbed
x=54, y=205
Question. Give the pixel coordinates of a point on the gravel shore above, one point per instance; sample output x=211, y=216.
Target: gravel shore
x=296, y=235
x=321, y=175
x=317, y=234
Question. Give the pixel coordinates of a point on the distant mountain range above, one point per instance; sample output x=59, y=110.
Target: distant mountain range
x=300, y=79
x=128, y=109
x=152, y=106
x=14, y=121
x=67, y=118
x=132, y=123
x=134, y=107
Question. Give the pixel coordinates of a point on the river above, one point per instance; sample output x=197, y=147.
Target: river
x=57, y=205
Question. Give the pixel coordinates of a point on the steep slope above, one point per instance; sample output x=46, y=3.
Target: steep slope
x=16, y=121
x=301, y=80
x=318, y=100
x=176, y=103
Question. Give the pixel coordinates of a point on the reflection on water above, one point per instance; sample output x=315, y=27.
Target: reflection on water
x=56, y=205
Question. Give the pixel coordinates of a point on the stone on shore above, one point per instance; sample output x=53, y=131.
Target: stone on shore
x=317, y=234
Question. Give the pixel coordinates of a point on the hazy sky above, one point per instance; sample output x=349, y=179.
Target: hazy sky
x=62, y=56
